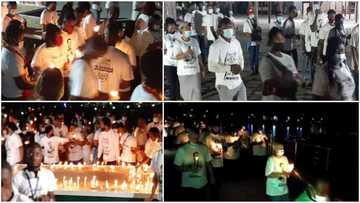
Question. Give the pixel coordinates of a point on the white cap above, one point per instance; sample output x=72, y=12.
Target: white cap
x=144, y=17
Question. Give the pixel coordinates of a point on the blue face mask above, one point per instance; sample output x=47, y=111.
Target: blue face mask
x=187, y=34
x=228, y=33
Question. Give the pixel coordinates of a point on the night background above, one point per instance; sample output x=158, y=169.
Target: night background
x=322, y=141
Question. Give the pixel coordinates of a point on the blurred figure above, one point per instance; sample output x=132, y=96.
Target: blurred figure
x=50, y=85
x=253, y=31
x=278, y=70
x=323, y=35
x=49, y=15
x=142, y=37
x=15, y=78
x=289, y=31
x=208, y=24
x=87, y=21
x=13, y=145
x=153, y=144
x=51, y=145
x=354, y=43
x=10, y=15
x=66, y=9
x=278, y=22
x=108, y=149
x=151, y=88
x=320, y=192
x=155, y=23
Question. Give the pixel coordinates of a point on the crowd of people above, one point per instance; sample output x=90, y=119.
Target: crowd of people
x=78, y=139
x=207, y=156
x=81, y=55
x=202, y=39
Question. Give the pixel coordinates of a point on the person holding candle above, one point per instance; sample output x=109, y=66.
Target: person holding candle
x=259, y=145
x=128, y=147
x=49, y=54
x=108, y=148
x=74, y=146
x=82, y=79
x=193, y=162
x=12, y=15
x=153, y=144
x=156, y=165
x=277, y=171
x=35, y=181
x=50, y=145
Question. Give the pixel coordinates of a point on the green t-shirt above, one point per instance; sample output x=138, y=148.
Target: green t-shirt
x=304, y=197
x=185, y=156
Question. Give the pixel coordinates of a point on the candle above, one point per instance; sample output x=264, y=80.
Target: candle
x=96, y=28
x=78, y=182
x=93, y=182
x=106, y=185
x=123, y=186
x=263, y=127
x=251, y=128
x=85, y=181
x=114, y=95
x=116, y=184
x=274, y=131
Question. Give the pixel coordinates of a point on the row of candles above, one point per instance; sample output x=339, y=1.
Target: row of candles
x=298, y=132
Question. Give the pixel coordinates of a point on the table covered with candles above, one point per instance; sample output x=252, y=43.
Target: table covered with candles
x=100, y=182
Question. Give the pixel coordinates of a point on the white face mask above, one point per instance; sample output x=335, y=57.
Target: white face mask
x=187, y=34
x=279, y=18
x=228, y=33
x=280, y=153
x=12, y=11
x=218, y=10
x=156, y=120
x=319, y=198
x=211, y=11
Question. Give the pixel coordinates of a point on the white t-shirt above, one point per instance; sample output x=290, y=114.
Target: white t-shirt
x=169, y=46
x=275, y=186
x=139, y=94
x=208, y=22
x=128, y=142
x=151, y=147
x=217, y=18
x=75, y=150
x=222, y=55
x=82, y=80
x=70, y=44
x=141, y=136
x=128, y=49
x=45, y=180
x=51, y=148
x=12, y=145
x=188, y=18
x=46, y=57
x=108, y=146
x=7, y=19
x=87, y=26
x=259, y=149
x=323, y=35
x=48, y=17
x=157, y=164
x=12, y=66
x=191, y=65
x=111, y=69
x=287, y=61
x=354, y=40
x=61, y=131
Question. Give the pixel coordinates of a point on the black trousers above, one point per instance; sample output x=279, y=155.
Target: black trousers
x=193, y=194
x=172, y=90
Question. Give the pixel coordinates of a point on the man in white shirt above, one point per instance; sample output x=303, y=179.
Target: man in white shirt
x=140, y=133
x=88, y=21
x=83, y=82
x=253, y=31
x=208, y=23
x=226, y=60
x=108, y=147
x=70, y=37
x=50, y=54
x=49, y=15
x=114, y=73
x=323, y=33
x=36, y=182
x=128, y=148
x=218, y=16
x=14, y=76
x=50, y=146
x=13, y=145
x=189, y=64
x=60, y=129
x=74, y=146
x=12, y=15
x=289, y=31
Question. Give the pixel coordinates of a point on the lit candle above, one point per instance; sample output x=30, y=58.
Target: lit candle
x=78, y=182
x=251, y=128
x=52, y=66
x=287, y=131
x=274, y=131
x=114, y=95
x=107, y=185
x=93, y=182
x=116, y=184
x=85, y=181
x=96, y=28
x=124, y=186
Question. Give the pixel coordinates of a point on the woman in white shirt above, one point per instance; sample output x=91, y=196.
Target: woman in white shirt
x=189, y=64
x=278, y=71
x=277, y=171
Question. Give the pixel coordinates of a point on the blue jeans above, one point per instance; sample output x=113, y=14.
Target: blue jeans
x=253, y=57
x=281, y=198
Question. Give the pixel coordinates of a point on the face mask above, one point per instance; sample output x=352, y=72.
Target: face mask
x=340, y=58
x=319, y=198
x=252, y=16
x=203, y=8
x=58, y=41
x=187, y=34
x=280, y=153
x=218, y=10
x=211, y=11
x=12, y=12
x=228, y=33
x=278, y=46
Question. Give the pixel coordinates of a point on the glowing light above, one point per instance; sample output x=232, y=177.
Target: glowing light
x=114, y=95
x=52, y=66
x=97, y=28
